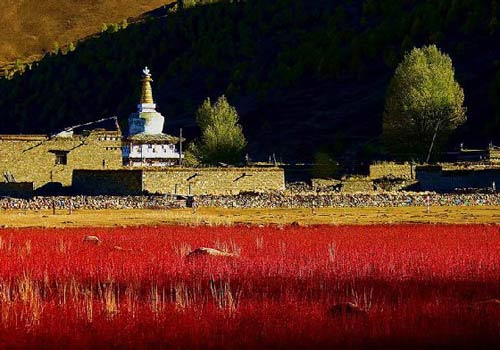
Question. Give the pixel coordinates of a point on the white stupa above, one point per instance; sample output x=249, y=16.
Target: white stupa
x=147, y=144
x=147, y=120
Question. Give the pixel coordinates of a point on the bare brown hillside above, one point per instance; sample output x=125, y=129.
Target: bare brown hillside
x=31, y=27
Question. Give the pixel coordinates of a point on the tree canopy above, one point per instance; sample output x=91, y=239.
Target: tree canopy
x=222, y=138
x=424, y=104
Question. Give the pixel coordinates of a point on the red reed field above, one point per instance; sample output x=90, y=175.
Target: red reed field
x=416, y=286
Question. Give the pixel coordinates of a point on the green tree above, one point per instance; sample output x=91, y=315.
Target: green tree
x=191, y=158
x=222, y=138
x=18, y=65
x=424, y=104
x=124, y=24
x=56, y=48
x=113, y=27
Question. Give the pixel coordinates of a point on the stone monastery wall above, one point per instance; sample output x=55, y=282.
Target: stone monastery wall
x=107, y=182
x=356, y=185
x=391, y=169
x=196, y=181
x=39, y=159
x=213, y=180
x=16, y=189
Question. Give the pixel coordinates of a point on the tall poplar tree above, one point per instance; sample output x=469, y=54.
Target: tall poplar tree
x=222, y=139
x=424, y=105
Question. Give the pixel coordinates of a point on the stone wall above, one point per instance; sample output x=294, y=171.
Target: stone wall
x=16, y=189
x=107, y=182
x=391, y=169
x=494, y=155
x=196, y=181
x=320, y=184
x=199, y=181
x=32, y=158
x=354, y=185
x=435, y=178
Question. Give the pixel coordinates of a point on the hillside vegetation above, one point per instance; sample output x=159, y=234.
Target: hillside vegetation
x=31, y=27
x=305, y=76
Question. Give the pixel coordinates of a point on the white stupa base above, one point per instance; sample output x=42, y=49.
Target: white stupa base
x=146, y=107
x=146, y=122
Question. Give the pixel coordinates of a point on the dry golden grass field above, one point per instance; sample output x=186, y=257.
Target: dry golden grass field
x=220, y=216
x=30, y=27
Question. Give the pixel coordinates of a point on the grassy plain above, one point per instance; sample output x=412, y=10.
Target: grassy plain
x=221, y=216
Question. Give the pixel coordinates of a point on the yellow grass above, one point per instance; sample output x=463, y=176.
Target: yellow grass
x=220, y=216
x=30, y=27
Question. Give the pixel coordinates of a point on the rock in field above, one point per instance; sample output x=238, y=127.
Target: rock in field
x=346, y=310
x=490, y=303
x=121, y=249
x=91, y=240
x=198, y=252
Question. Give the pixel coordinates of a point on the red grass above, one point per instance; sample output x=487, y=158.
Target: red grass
x=422, y=286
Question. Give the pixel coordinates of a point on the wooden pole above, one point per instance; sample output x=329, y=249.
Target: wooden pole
x=180, y=147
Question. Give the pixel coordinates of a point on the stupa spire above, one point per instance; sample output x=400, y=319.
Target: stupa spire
x=147, y=120
x=147, y=91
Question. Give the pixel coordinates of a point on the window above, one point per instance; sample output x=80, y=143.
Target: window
x=61, y=158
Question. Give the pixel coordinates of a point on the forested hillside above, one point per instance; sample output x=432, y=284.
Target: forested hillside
x=306, y=76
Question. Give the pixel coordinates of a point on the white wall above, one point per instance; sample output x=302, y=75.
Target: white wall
x=151, y=151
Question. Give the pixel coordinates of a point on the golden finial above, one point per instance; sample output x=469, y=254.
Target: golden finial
x=147, y=92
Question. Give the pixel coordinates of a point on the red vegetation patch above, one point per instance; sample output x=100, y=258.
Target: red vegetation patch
x=302, y=287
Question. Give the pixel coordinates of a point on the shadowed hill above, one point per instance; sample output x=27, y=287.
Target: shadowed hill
x=31, y=27
x=306, y=76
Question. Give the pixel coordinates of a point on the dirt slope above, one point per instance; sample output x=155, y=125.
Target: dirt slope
x=31, y=27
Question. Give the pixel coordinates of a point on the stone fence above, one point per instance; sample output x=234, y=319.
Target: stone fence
x=255, y=200
x=185, y=181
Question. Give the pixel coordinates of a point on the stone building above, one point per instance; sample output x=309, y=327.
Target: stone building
x=489, y=155
x=50, y=160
